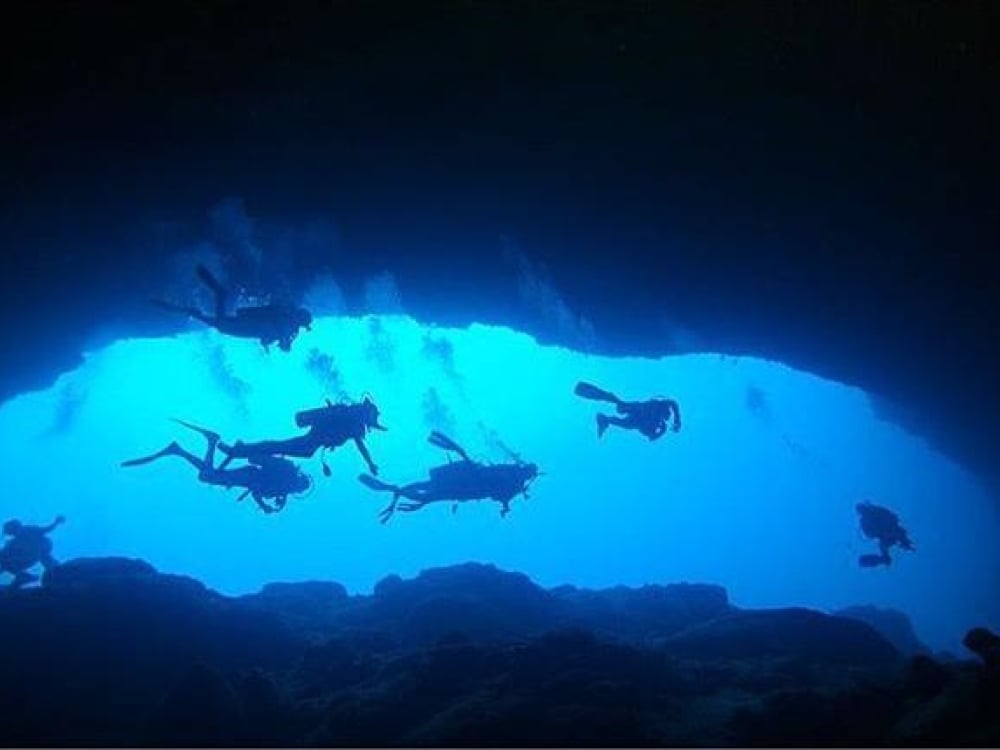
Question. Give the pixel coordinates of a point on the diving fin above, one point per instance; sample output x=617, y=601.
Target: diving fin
x=207, y=434
x=592, y=392
x=171, y=450
x=872, y=561
x=376, y=484
x=208, y=279
x=441, y=440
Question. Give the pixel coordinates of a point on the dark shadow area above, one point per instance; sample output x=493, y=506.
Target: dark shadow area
x=110, y=652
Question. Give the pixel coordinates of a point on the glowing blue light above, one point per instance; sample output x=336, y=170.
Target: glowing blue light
x=757, y=492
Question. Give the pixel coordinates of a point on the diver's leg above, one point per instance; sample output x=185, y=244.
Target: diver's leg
x=604, y=420
x=210, y=435
x=410, y=492
x=244, y=476
x=192, y=459
x=303, y=446
x=386, y=513
x=409, y=506
x=191, y=312
x=419, y=494
x=208, y=462
x=218, y=291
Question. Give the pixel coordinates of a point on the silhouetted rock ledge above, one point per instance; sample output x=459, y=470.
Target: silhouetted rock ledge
x=108, y=651
x=894, y=626
x=795, y=633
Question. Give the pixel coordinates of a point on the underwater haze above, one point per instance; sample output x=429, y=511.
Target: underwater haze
x=756, y=492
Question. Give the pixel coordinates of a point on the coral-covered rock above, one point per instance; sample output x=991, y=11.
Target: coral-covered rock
x=649, y=611
x=801, y=633
x=892, y=624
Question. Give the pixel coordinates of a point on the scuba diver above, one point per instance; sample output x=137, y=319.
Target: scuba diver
x=28, y=546
x=270, y=324
x=457, y=481
x=883, y=525
x=265, y=478
x=651, y=418
x=329, y=426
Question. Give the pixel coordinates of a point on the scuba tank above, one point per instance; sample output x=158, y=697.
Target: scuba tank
x=319, y=415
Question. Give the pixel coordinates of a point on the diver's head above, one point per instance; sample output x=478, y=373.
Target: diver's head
x=12, y=527
x=370, y=415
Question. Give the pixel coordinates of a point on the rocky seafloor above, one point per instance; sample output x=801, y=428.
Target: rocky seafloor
x=110, y=652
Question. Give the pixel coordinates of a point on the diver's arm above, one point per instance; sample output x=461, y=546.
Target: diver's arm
x=261, y=504
x=363, y=450
x=54, y=525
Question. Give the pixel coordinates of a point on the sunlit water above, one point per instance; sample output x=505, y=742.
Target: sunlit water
x=757, y=491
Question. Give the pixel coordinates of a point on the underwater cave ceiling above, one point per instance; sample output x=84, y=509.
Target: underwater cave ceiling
x=847, y=163
x=938, y=380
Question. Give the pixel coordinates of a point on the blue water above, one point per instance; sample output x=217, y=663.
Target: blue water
x=757, y=491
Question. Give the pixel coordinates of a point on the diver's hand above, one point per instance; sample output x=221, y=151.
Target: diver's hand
x=60, y=519
x=374, y=470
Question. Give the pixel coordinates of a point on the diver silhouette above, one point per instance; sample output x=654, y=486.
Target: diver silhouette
x=269, y=324
x=650, y=418
x=329, y=426
x=27, y=546
x=457, y=481
x=265, y=478
x=881, y=524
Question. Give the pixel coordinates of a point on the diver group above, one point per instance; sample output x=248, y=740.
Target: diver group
x=266, y=473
